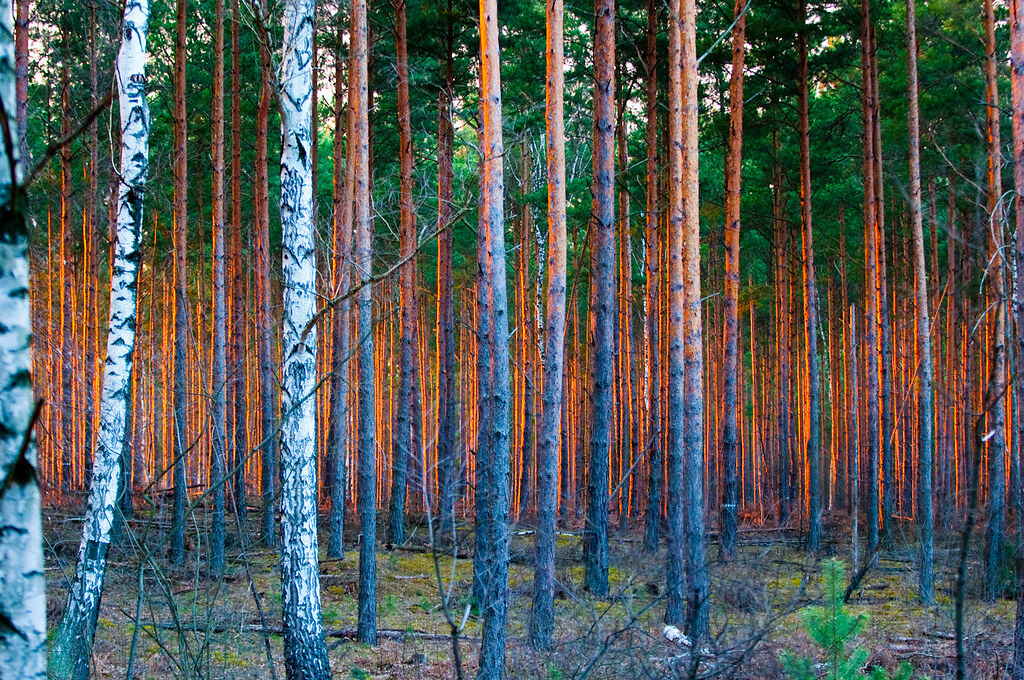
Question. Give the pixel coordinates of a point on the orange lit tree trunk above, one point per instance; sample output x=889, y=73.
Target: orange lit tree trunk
x=870, y=280
x=218, y=413
x=595, y=535
x=495, y=530
x=448, y=396
x=239, y=314
x=693, y=352
x=733, y=184
x=402, y=448
x=181, y=320
x=344, y=174
x=363, y=267
x=925, y=438
x=652, y=257
x=1017, y=94
x=265, y=324
x=810, y=298
x=996, y=297
x=552, y=407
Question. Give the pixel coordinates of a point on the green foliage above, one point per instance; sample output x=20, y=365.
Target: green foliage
x=834, y=629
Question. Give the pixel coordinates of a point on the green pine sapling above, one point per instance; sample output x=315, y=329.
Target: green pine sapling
x=834, y=629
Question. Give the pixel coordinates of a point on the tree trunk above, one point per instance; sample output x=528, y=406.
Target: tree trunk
x=1017, y=94
x=265, y=323
x=239, y=315
x=305, y=654
x=733, y=187
x=338, y=439
x=885, y=328
x=21, y=78
x=492, y=648
x=810, y=299
x=22, y=569
x=550, y=432
x=925, y=435
x=448, y=415
x=675, y=611
x=72, y=647
x=402, y=448
x=367, y=483
x=871, y=280
x=595, y=533
x=67, y=314
x=218, y=413
x=693, y=351
x=652, y=523
x=181, y=315
x=996, y=296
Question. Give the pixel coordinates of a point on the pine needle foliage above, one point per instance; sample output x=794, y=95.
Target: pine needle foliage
x=834, y=630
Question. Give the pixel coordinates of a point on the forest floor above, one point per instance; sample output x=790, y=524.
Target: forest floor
x=182, y=624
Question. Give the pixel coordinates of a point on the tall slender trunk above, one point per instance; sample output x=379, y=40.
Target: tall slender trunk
x=338, y=440
x=239, y=312
x=870, y=280
x=693, y=351
x=925, y=434
x=733, y=186
x=447, y=387
x=810, y=298
x=92, y=241
x=652, y=524
x=675, y=611
x=550, y=432
x=1017, y=94
x=402, y=449
x=22, y=569
x=305, y=654
x=884, y=327
x=481, y=545
x=367, y=483
x=685, y=553
x=996, y=295
x=67, y=314
x=72, y=647
x=21, y=55
x=595, y=534
x=218, y=413
x=265, y=322
x=525, y=323
x=492, y=648
x=181, y=315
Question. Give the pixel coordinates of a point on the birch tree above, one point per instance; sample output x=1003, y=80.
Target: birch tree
x=72, y=646
x=304, y=649
x=22, y=572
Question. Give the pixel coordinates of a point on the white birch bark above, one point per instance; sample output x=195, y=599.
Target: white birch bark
x=72, y=647
x=304, y=648
x=22, y=585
